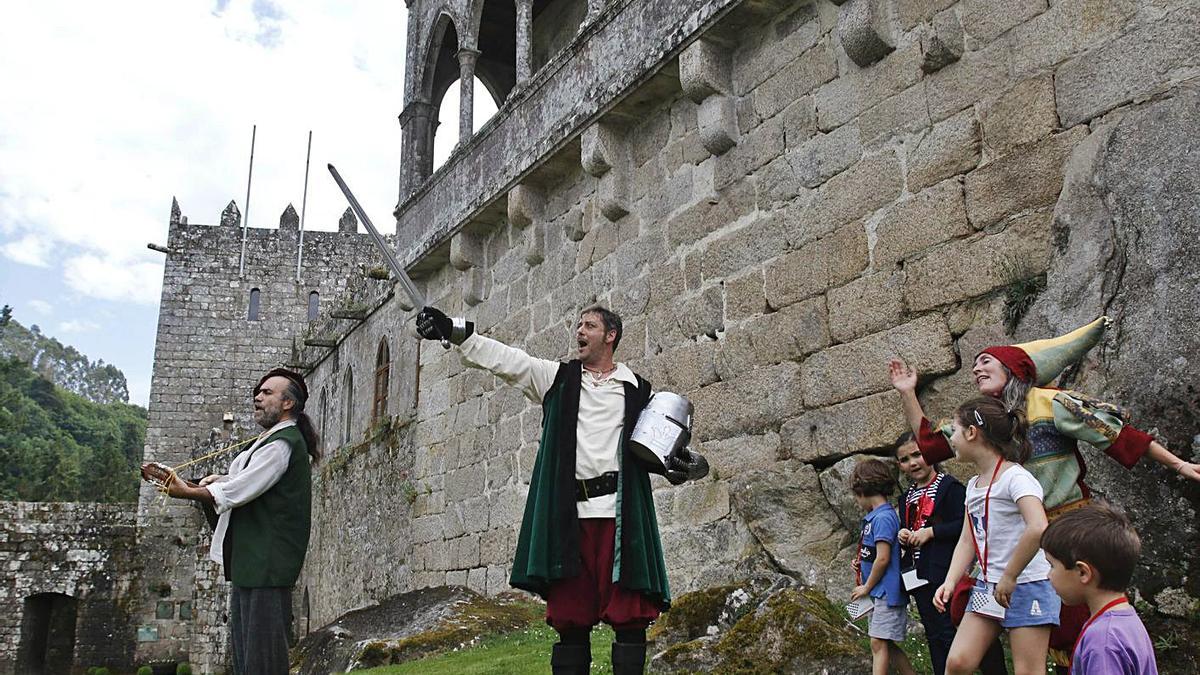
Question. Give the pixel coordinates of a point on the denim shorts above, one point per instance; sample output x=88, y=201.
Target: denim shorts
x=888, y=623
x=1033, y=603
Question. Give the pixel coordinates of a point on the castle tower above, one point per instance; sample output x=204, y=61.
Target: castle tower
x=218, y=331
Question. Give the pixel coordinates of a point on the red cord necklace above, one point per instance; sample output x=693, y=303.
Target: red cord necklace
x=1095, y=616
x=987, y=501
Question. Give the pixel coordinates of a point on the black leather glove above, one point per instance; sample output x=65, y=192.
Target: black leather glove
x=433, y=324
x=686, y=465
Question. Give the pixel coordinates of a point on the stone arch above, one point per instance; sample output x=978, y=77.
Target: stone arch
x=439, y=65
x=47, y=643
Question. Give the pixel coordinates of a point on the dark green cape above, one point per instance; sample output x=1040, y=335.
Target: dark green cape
x=548, y=546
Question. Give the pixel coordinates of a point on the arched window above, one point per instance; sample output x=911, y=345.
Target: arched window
x=314, y=304
x=348, y=410
x=253, y=314
x=383, y=369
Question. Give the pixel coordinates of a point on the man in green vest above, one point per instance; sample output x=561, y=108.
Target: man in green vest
x=261, y=536
x=589, y=542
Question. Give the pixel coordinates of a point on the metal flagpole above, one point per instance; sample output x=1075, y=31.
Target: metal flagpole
x=246, y=215
x=303, y=208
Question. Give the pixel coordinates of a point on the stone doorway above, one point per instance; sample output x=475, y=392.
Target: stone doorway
x=47, y=634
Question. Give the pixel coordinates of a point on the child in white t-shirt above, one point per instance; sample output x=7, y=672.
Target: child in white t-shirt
x=1002, y=529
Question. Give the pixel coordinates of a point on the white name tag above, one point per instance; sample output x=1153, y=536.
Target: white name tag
x=983, y=601
x=912, y=580
x=860, y=608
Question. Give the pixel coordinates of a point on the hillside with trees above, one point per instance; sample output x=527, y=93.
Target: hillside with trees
x=57, y=445
x=61, y=364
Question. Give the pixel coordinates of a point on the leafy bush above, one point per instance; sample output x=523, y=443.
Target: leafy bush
x=184, y=668
x=145, y=670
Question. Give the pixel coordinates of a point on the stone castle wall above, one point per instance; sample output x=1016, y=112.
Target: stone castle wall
x=85, y=552
x=783, y=198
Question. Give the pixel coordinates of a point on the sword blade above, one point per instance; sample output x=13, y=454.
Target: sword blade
x=414, y=293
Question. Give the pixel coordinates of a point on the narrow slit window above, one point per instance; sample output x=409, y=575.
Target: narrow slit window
x=314, y=305
x=253, y=313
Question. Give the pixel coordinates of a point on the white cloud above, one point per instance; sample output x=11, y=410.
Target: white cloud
x=118, y=107
x=41, y=307
x=77, y=326
x=29, y=250
x=115, y=279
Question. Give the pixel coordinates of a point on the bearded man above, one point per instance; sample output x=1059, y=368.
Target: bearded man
x=264, y=507
x=589, y=542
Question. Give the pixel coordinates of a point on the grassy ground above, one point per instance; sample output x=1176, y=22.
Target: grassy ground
x=525, y=651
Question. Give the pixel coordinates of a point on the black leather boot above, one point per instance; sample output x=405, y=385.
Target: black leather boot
x=570, y=659
x=628, y=658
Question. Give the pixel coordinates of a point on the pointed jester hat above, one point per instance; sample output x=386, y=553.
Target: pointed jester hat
x=1041, y=361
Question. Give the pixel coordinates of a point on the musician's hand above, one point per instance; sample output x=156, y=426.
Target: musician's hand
x=176, y=487
x=209, y=479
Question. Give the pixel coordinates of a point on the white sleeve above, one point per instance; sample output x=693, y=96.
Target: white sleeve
x=264, y=470
x=1023, y=484
x=533, y=376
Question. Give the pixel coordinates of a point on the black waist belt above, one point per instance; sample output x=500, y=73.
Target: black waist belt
x=604, y=484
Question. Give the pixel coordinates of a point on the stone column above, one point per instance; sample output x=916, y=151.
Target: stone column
x=417, y=125
x=524, y=41
x=466, y=100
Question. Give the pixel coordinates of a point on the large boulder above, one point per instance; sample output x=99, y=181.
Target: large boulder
x=787, y=513
x=769, y=624
x=1127, y=242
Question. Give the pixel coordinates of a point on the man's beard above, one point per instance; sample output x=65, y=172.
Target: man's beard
x=266, y=417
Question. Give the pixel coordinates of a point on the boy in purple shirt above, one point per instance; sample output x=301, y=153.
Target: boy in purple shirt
x=1092, y=553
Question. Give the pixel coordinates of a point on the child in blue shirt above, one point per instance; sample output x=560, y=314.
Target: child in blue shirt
x=878, y=568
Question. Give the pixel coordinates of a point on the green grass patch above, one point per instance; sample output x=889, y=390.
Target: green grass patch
x=524, y=651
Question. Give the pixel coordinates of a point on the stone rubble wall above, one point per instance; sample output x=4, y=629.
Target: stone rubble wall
x=825, y=187
x=82, y=550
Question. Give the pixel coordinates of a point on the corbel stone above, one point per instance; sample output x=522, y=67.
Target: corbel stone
x=704, y=70
x=603, y=154
x=473, y=287
x=704, y=74
x=866, y=32
x=466, y=251
x=717, y=119
x=576, y=223
x=942, y=41
x=524, y=205
x=535, y=245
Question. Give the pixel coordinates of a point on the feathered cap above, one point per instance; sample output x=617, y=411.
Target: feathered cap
x=1041, y=361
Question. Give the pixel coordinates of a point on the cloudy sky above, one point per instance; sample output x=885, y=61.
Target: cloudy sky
x=108, y=110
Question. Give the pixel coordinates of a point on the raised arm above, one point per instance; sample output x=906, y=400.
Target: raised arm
x=904, y=380
x=1102, y=425
x=933, y=444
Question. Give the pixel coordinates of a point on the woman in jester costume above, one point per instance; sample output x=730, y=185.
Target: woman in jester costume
x=1057, y=419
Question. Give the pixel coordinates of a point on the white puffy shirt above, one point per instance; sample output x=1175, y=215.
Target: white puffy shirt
x=601, y=408
x=249, y=476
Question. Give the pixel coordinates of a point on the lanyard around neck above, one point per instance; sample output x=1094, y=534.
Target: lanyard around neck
x=916, y=522
x=987, y=501
x=1095, y=616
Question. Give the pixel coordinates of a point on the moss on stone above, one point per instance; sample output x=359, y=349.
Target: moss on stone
x=481, y=617
x=790, y=626
x=692, y=613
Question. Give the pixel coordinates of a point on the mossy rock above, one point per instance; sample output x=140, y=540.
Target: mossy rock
x=471, y=621
x=793, y=629
x=691, y=615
